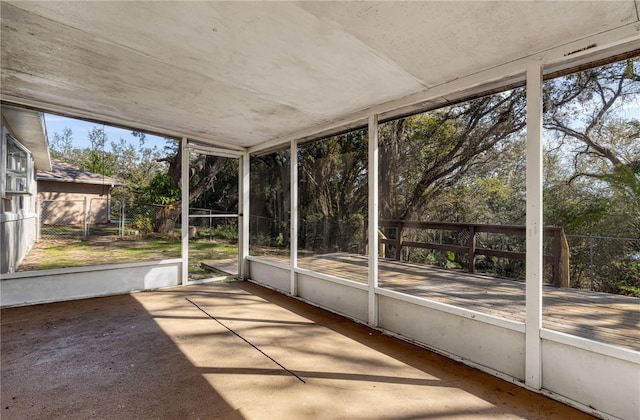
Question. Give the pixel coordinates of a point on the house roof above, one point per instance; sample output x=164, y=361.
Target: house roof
x=29, y=129
x=64, y=172
x=248, y=74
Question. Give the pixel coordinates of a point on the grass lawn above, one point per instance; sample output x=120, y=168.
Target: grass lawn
x=49, y=254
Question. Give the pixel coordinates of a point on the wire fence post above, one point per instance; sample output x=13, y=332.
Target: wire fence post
x=591, y=262
x=39, y=214
x=84, y=219
x=122, y=219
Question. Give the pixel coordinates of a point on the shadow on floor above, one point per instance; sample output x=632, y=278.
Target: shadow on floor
x=101, y=357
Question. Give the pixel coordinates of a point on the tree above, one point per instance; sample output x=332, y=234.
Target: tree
x=270, y=189
x=203, y=171
x=592, y=172
x=424, y=155
x=332, y=191
x=598, y=143
x=62, y=144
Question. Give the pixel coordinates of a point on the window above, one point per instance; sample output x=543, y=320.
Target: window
x=18, y=168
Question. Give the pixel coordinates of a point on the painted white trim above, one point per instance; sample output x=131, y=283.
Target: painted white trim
x=268, y=262
x=14, y=217
x=293, y=214
x=86, y=269
x=333, y=279
x=454, y=310
x=243, y=222
x=215, y=151
x=214, y=216
x=372, y=274
x=534, y=222
x=184, y=197
x=597, y=347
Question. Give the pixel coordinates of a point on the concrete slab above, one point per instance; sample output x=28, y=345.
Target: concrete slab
x=233, y=350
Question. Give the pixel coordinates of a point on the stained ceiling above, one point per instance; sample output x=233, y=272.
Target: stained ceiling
x=240, y=74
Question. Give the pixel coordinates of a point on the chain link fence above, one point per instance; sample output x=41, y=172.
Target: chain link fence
x=84, y=219
x=605, y=264
x=92, y=217
x=209, y=224
x=74, y=219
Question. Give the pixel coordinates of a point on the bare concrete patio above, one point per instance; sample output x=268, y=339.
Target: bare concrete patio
x=233, y=350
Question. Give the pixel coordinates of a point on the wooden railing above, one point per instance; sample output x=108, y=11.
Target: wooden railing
x=559, y=257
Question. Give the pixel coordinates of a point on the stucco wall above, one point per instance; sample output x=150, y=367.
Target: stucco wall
x=63, y=203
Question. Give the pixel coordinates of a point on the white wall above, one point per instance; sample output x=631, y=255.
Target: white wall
x=603, y=377
x=83, y=282
x=340, y=297
x=270, y=274
x=17, y=235
x=493, y=343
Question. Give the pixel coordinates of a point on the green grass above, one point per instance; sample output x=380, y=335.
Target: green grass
x=113, y=250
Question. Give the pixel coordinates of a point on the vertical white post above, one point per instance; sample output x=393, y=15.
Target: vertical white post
x=534, y=239
x=243, y=220
x=293, y=221
x=373, y=220
x=184, y=197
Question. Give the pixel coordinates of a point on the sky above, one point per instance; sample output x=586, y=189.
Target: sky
x=81, y=129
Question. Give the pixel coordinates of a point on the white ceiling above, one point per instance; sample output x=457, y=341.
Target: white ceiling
x=243, y=73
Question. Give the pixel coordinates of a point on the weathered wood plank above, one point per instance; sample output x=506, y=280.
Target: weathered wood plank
x=604, y=317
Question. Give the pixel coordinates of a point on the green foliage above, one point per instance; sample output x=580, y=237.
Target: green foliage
x=333, y=192
x=451, y=261
x=226, y=232
x=142, y=224
x=162, y=190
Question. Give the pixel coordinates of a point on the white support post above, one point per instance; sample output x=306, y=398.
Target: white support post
x=293, y=222
x=184, y=197
x=243, y=220
x=535, y=228
x=373, y=220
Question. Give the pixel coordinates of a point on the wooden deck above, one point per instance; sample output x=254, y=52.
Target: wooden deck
x=603, y=317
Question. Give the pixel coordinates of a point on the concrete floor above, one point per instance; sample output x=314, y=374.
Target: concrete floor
x=233, y=351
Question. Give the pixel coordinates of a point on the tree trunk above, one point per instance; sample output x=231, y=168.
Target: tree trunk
x=166, y=216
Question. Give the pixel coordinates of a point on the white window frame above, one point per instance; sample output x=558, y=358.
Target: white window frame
x=26, y=173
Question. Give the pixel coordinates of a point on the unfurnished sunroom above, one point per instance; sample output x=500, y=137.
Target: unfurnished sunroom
x=462, y=175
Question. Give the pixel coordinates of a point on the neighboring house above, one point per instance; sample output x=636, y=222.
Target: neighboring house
x=72, y=196
x=24, y=149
